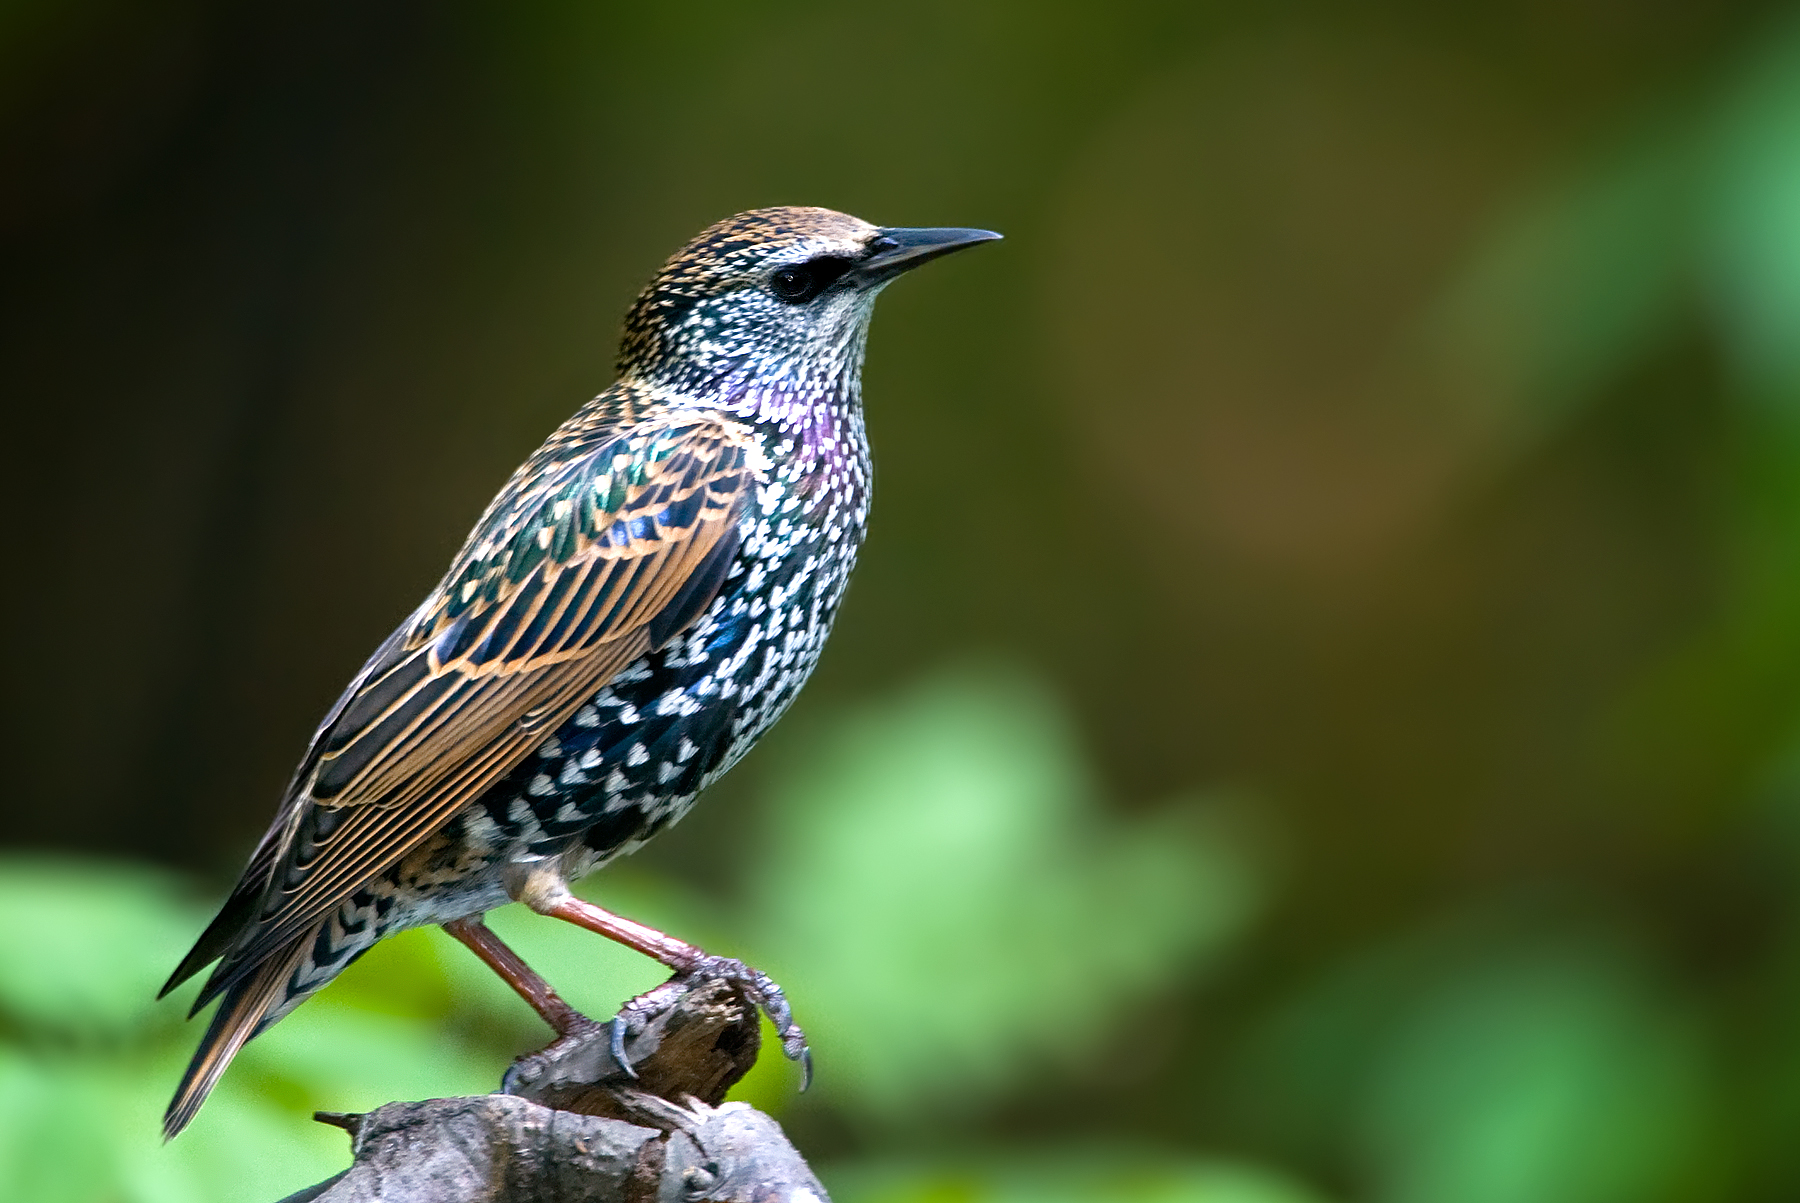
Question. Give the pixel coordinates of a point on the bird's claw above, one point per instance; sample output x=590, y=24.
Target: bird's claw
x=532, y=1066
x=770, y=998
x=618, y=1046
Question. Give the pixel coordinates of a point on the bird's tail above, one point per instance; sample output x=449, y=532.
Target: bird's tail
x=240, y=1016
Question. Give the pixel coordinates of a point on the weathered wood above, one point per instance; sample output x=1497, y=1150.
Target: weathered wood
x=571, y=1125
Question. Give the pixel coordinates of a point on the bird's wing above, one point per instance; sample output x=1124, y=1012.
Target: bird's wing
x=580, y=566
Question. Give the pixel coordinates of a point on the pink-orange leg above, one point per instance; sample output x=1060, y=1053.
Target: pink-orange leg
x=513, y=970
x=678, y=955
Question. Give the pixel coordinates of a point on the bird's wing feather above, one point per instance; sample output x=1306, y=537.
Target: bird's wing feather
x=240, y=910
x=559, y=588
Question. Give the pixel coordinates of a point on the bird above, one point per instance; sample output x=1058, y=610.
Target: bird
x=639, y=603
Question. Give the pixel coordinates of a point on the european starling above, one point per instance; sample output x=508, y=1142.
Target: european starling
x=639, y=603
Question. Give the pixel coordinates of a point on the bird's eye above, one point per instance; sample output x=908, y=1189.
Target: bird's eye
x=801, y=282
x=792, y=284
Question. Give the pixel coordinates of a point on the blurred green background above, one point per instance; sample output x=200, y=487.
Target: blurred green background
x=1318, y=719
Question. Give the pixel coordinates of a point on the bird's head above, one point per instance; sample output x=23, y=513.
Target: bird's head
x=777, y=295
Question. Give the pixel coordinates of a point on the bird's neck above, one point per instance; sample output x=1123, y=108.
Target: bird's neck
x=810, y=411
x=817, y=432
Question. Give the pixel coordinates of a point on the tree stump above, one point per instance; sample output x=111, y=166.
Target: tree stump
x=570, y=1124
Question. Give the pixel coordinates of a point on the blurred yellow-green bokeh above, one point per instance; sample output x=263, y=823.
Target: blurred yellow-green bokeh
x=1318, y=717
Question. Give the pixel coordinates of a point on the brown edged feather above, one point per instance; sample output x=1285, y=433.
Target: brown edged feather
x=236, y=1020
x=555, y=592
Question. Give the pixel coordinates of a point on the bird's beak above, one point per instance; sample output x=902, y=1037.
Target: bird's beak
x=896, y=249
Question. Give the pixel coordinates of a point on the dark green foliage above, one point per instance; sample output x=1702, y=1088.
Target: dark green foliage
x=1380, y=429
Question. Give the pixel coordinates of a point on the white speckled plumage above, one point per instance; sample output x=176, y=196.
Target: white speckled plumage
x=643, y=599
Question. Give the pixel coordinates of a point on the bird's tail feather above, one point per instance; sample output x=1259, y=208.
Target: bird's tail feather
x=229, y=924
x=238, y=1018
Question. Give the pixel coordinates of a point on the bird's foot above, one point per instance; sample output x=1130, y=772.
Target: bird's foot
x=577, y=1029
x=757, y=986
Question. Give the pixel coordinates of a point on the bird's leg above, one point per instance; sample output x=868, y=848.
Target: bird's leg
x=530, y=985
x=568, y=1023
x=543, y=890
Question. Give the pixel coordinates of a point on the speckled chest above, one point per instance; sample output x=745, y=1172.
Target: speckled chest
x=633, y=759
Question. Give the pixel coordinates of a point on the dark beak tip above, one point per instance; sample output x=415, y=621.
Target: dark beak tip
x=896, y=249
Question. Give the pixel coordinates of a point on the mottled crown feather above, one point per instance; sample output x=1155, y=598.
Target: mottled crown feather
x=727, y=256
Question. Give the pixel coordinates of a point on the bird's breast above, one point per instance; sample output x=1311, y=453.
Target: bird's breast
x=634, y=758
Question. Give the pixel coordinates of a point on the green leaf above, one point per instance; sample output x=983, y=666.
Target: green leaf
x=1755, y=224
x=1552, y=1079
x=1078, y=1177
x=1521, y=1053
x=87, y=944
x=950, y=906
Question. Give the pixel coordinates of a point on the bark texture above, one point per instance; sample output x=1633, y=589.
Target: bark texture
x=571, y=1124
